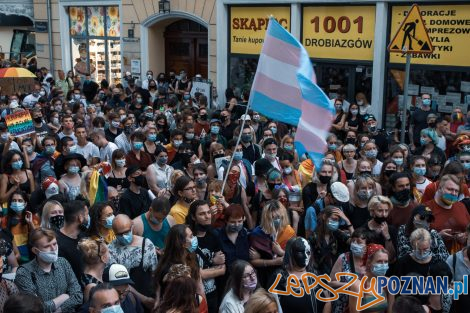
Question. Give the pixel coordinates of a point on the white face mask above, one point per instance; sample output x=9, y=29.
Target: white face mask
x=49, y=256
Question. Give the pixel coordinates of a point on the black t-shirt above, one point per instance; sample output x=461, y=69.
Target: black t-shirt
x=68, y=249
x=381, y=142
x=207, y=247
x=358, y=216
x=227, y=131
x=133, y=204
x=407, y=265
x=419, y=122
x=42, y=131
x=110, y=136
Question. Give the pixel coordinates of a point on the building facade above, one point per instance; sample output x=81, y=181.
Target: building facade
x=222, y=39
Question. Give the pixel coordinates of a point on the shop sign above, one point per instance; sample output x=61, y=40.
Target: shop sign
x=248, y=26
x=339, y=32
x=448, y=27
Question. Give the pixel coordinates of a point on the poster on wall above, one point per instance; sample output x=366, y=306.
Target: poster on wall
x=448, y=28
x=248, y=26
x=339, y=32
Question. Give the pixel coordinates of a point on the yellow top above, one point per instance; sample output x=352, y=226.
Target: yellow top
x=179, y=213
x=108, y=238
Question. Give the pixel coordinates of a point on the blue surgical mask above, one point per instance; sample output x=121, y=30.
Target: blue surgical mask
x=420, y=171
x=398, y=161
x=125, y=239
x=50, y=150
x=162, y=160
x=72, y=149
x=357, y=249
x=380, y=269
x=194, y=244
x=121, y=162
x=215, y=130
x=152, y=137
x=421, y=256
x=177, y=143
x=332, y=225
x=18, y=206
x=277, y=222
x=238, y=155
x=371, y=154
x=426, y=102
x=466, y=166
x=288, y=147
x=189, y=136
x=109, y=222
x=17, y=165
x=113, y=309
x=423, y=141
x=332, y=147
x=73, y=169
x=138, y=145
x=274, y=130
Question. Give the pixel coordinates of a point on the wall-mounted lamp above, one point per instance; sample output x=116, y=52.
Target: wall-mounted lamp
x=130, y=31
x=164, y=6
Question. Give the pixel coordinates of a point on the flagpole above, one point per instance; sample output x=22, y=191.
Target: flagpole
x=238, y=142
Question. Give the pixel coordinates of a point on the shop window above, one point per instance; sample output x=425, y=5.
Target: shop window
x=449, y=89
x=95, y=42
x=242, y=72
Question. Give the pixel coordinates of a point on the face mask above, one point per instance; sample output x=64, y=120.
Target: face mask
x=372, y=128
x=14, y=103
x=18, y=206
x=57, y=221
x=37, y=120
x=122, y=117
x=421, y=256
x=364, y=194
x=237, y=155
x=215, y=130
x=109, y=222
x=219, y=155
x=162, y=160
x=139, y=181
x=73, y=169
x=419, y=171
x=288, y=147
x=116, y=203
x=121, y=162
x=365, y=173
x=398, y=161
x=332, y=147
x=449, y=199
x=42, y=93
x=113, y=309
x=76, y=96
x=380, y=269
x=270, y=156
x=402, y=196
x=86, y=224
x=189, y=136
x=233, y=178
x=115, y=124
x=49, y=257
x=351, y=141
x=194, y=244
x=29, y=150
x=234, y=228
x=389, y=173
x=186, y=97
x=55, y=120
x=371, y=154
x=125, y=239
x=177, y=143
x=354, y=112
x=201, y=181
x=466, y=166
x=138, y=145
x=273, y=186
x=273, y=130
x=338, y=107
x=357, y=249
x=332, y=225
x=380, y=220
x=360, y=102
x=287, y=170
x=127, y=130
x=324, y=179
x=426, y=102
x=152, y=137
x=423, y=141
x=5, y=136
x=17, y=165
x=421, y=224
x=432, y=125
x=277, y=222
x=247, y=137
x=251, y=285
x=72, y=149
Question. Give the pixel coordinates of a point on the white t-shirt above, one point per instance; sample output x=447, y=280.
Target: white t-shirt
x=106, y=152
x=421, y=187
x=441, y=142
x=377, y=168
x=89, y=151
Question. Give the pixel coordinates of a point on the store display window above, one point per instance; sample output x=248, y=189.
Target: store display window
x=95, y=42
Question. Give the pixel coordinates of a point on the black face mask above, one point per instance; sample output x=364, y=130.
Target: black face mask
x=223, y=118
x=403, y=195
x=351, y=141
x=380, y=220
x=57, y=221
x=37, y=120
x=203, y=117
x=432, y=125
x=127, y=130
x=272, y=186
x=389, y=173
x=324, y=179
x=139, y=181
x=365, y=173
x=220, y=155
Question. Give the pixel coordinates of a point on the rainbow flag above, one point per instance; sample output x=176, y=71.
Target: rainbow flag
x=285, y=89
x=98, y=188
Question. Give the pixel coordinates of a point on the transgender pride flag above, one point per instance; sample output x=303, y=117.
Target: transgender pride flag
x=285, y=89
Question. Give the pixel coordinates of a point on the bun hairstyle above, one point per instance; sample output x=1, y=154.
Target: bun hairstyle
x=92, y=250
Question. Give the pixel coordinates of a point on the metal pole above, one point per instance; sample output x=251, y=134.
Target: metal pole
x=405, y=97
x=238, y=142
x=49, y=33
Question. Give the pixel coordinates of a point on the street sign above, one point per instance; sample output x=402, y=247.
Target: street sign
x=412, y=36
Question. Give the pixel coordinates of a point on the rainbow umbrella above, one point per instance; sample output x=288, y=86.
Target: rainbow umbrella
x=15, y=72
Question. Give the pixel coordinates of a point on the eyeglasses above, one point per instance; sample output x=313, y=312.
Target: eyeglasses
x=190, y=188
x=252, y=275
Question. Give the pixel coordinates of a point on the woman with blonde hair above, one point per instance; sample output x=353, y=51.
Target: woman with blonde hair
x=216, y=150
x=261, y=301
x=268, y=240
x=95, y=256
x=52, y=215
x=85, y=184
x=287, y=144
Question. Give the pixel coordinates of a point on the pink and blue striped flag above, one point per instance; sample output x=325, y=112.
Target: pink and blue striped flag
x=285, y=89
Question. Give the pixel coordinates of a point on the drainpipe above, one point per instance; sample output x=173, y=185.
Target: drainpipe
x=49, y=31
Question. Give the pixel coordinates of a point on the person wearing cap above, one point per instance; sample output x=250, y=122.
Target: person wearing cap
x=213, y=136
x=69, y=183
x=105, y=299
x=49, y=276
x=420, y=217
x=117, y=276
x=135, y=200
x=379, y=138
x=418, y=120
x=136, y=253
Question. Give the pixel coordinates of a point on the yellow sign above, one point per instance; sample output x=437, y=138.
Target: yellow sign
x=339, y=32
x=448, y=27
x=248, y=27
x=412, y=35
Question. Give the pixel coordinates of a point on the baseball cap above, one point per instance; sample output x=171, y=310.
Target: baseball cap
x=116, y=275
x=215, y=120
x=50, y=185
x=340, y=192
x=423, y=211
x=369, y=117
x=245, y=117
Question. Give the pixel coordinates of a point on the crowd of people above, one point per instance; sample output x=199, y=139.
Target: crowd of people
x=195, y=220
